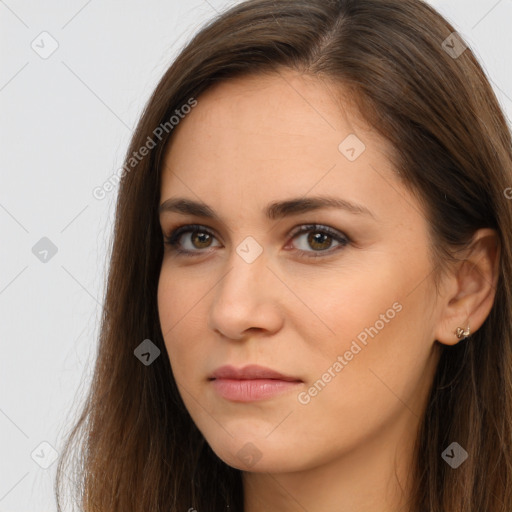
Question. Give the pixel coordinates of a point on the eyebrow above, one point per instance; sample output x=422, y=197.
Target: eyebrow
x=273, y=211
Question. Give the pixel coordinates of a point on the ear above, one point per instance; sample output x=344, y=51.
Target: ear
x=470, y=288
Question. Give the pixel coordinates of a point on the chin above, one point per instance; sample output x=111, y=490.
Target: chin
x=256, y=454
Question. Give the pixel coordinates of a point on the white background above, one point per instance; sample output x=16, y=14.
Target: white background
x=65, y=125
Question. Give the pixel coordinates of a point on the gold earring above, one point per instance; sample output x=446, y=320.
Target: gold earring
x=461, y=333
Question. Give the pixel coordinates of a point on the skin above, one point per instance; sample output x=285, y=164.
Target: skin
x=259, y=139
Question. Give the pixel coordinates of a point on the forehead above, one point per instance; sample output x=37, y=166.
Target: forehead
x=263, y=137
x=280, y=112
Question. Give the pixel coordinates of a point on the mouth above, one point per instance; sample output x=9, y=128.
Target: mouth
x=251, y=383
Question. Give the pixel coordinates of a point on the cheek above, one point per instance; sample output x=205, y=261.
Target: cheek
x=172, y=309
x=344, y=304
x=348, y=401
x=168, y=303
x=378, y=293
x=178, y=296
x=377, y=320
x=181, y=309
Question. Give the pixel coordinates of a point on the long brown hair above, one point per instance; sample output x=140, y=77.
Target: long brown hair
x=139, y=448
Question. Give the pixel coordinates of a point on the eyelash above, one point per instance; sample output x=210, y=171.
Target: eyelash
x=172, y=239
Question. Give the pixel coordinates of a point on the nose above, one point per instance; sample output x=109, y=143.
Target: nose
x=246, y=299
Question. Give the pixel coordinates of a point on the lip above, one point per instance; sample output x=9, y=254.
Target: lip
x=252, y=371
x=251, y=383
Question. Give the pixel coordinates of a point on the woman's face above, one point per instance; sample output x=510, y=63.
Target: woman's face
x=345, y=309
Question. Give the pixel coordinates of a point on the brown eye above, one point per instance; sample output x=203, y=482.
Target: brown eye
x=190, y=239
x=319, y=241
x=194, y=239
x=201, y=239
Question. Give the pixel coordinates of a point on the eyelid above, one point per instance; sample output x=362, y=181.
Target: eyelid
x=301, y=228
x=177, y=232
x=340, y=237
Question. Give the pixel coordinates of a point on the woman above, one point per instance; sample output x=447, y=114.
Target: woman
x=308, y=304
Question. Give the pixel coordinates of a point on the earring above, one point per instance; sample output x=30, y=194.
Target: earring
x=461, y=333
